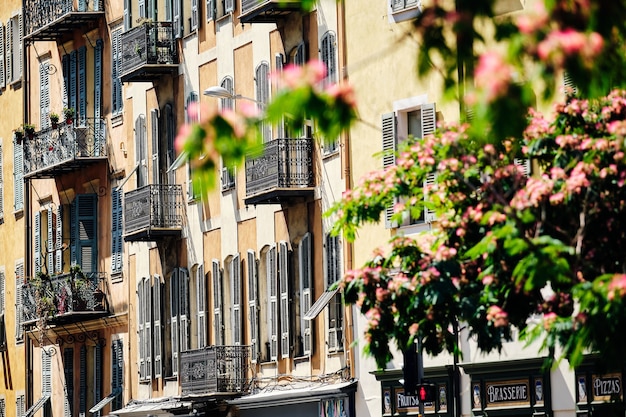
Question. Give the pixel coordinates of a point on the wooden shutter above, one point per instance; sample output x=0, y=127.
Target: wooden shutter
x=3, y=288
x=210, y=10
x=175, y=323
x=183, y=309
x=201, y=306
x=236, y=293
x=1, y=183
x=141, y=151
x=65, y=65
x=194, y=15
x=389, y=156
x=2, y=58
x=284, y=300
x=127, y=15
x=117, y=372
x=116, y=65
x=85, y=232
x=141, y=4
x=97, y=375
x=68, y=370
x=82, y=85
x=229, y=6
x=177, y=18
x=525, y=164
x=46, y=371
x=44, y=94
x=82, y=405
x=141, y=302
x=97, y=98
x=157, y=326
x=147, y=326
x=38, y=231
x=50, y=246
x=117, y=242
x=253, y=305
x=58, y=267
x=272, y=285
x=154, y=125
x=218, y=315
x=306, y=290
x=18, y=175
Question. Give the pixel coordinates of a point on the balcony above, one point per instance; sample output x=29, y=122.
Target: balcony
x=264, y=11
x=283, y=171
x=215, y=369
x=152, y=212
x=65, y=148
x=148, y=52
x=52, y=20
x=65, y=298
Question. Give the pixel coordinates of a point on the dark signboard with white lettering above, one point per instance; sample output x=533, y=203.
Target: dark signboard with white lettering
x=606, y=387
x=507, y=393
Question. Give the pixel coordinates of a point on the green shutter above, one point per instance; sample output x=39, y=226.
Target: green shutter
x=82, y=85
x=68, y=369
x=97, y=103
x=71, y=91
x=85, y=232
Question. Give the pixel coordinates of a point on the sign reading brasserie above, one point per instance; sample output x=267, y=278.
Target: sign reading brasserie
x=506, y=393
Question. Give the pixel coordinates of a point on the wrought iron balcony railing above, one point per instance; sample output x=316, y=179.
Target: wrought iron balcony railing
x=52, y=19
x=148, y=51
x=222, y=369
x=283, y=169
x=61, y=297
x=152, y=211
x=65, y=148
x=259, y=11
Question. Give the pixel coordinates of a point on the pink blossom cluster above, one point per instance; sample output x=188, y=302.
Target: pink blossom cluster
x=617, y=287
x=493, y=75
x=562, y=44
x=497, y=316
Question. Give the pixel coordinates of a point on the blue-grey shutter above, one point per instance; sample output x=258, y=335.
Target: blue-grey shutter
x=253, y=305
x=97, y=98
x=1, y=184
x=116, y=231
x=97, y=376
x=141, y=302
x=117, y=372
x=141, y=4
x=3, y=289
x=194, y=15
x=85, y=226
x=210, y=10
x=170, y=131
x=82, y=5
x=141, y=151
x=72, y=84
x=177, y=18
x=152, y=10
x=18, y=175
x=328, y=57
x=65, y=65
x=50, y=247
x=389, y=156
x=262, y=96
x=306, y=290
x=38, y=231
x=280, y=62
x=9, y=50
x=46, y=372
x=2, y=57
x=128, y=15
x=147, y=326
x=19, y=304
x=183, y=308
x=285, y=324
x=236, y=304
x=272, y=286
x=116, y=65
x=201, y=306
x=82, y=85
x=82, y=405
x=229, y=6
x=174, y=318
x=168, y=11
x=227, y=103
x=154, y=125
x=157, y=326
x=20, y=30
x=218, y=315
x=68, y=370
x=58, y=268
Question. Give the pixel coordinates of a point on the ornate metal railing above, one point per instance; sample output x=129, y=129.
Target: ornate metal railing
x=62, y=295
x=215, y=369
x=283, y=163
x=67, y=142
x=153, y=207
x=41, y=13
x=150, y=43
x=247, y=5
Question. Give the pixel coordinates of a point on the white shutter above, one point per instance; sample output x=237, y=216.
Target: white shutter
x=569, y=86
x=44, y=94
x=157, y=327
x=428, y=119
x=18, y=175
x=147, y=314
x=429, y=181
x=141, y=5
x=201, y=306
x=229, y=6
x=50, y=244
x=210, y=10
x=177, y=18
x=183, y=308
x=284, y=300
x=194, y=14
x=389, y=156
x=46, y=371
x=253, y=303
x=9, y=51
x=305, y=272
x=174, y=319
x=154, y=124
x=58, y=268
x=38, y=242
x=140, y=329
x=272, y=286
x=236, y=291
x=218, y=316
x=525, y=164
x=19, y=305
x=2, y=57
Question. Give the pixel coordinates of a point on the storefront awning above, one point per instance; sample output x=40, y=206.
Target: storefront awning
x=35, y=407
x=319, y=305
x=105, y=401
x=162, y=407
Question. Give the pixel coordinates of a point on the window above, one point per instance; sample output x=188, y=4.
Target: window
x=19, y=306
x=227, y=103
x=298, y=54
x=218, y=312
x=128, y=16
x=335, y=306
x=328, y=56
x=402, y=10
x=306, y=287
x=279, y=63
x=82, y=382
x=14, y=49
x=68, y=369
x=415, y=121
x=75, y=82
x=201, y=297
x=141, y=151
x=193, y=191
x=116, y=66
x=236, y=293
x=46, y=366
x=228, y=177
x=194, y=15
x=253, y=305
x=150, y=329
x=154, y=129
x=117, y=241
x=170, y=132
x=271, y=264
x=400, y=5
x=177, y=18
x=179, y=315
x=84, y=232
x=18, y=176
x=1, y=181
x=210, y=10
x=262, y=96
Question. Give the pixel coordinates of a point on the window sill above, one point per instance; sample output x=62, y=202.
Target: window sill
x=404, y=14
x=331, y=154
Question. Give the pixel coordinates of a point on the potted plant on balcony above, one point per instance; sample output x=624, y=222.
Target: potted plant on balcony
x=69, y=114
x=54, y=120
x=19, y=135
x=29, y=130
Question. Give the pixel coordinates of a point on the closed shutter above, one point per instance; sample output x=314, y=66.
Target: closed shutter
x=141, y=4
x=569, y=86
x=18, y=176
x=262, y=96
x=157, y=326
x=116, y=231
x=127, y=15
x=174, y=319
x=218, y=316
x=19, y=46
x=154, y=125
x=9, y=51
x=97, y=98
x=177, y=18
x=333, y=274
x=38, y=261
x=272, y=285
x=227, y=103
x=147, y=326
x=50, y=247
x=253, y=305
x=82, y=404
x=44, y=94
x=194, y=14
x=85, y=230
x=141, y=151
x=82, y=5
x=284, y=300
x=152, y=11
x=332, y=259
x=141, y=302
x=68, y=370
x=117, y=372
x=97, y=376
x=201, y=306
x=236, y=291
x=20, y=405
x=280, y=60
x=183, y=312
x=389, y=156
x=329, y=57
x=304, y=262
x=82, y=85
x=72, y=83
x=1, y=183
x=299, y=55
x=116, y=66
x=229, y=6
x=58, y=267
x=46, y=372
x=210, y=10
x=2, y=57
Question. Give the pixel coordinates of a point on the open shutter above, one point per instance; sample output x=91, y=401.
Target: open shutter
x=1, y=184
x=3, y=288
x=175, y=323
x=18, y=175
x=141, y=302
x=58, y=268
x=429, y=119
x=141, y=151
x=19, y=304
x=154, y=124
x=19, y=46
x=525, y=164
x=194, y=14
x=127, y=15
x=157, y=324
x=147, y=326
x=65, y=65
x=46, y=371
x=141, y=5
x=201, y=306
x=183, y=308
x=570, y=88
x=272, y=285
x=253, y=305
x=82, y=404
x=429, y=182
x=284, y=300
x=44, y=94
x=68, y=370
x=117, y=372
x=72, y=84
x=389, y=156
x=50, y=247
x=9, y=51
x=218, y=316
x=177, y=18
x=263, y=96
x=235, y=276
x=304, y=262
x=210, y=10
x=116, y=231
x=280, y=62
x=328, y=57
x=82, y=85
x=116, y=58
x=38, y=261
x=97, y=98
x=97, y=376
x=2, y=57
x=86, y=228
x=229, y=6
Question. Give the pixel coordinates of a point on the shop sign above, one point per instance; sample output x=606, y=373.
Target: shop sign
x=410, y=403
x=606, y=387
x=507, y=393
